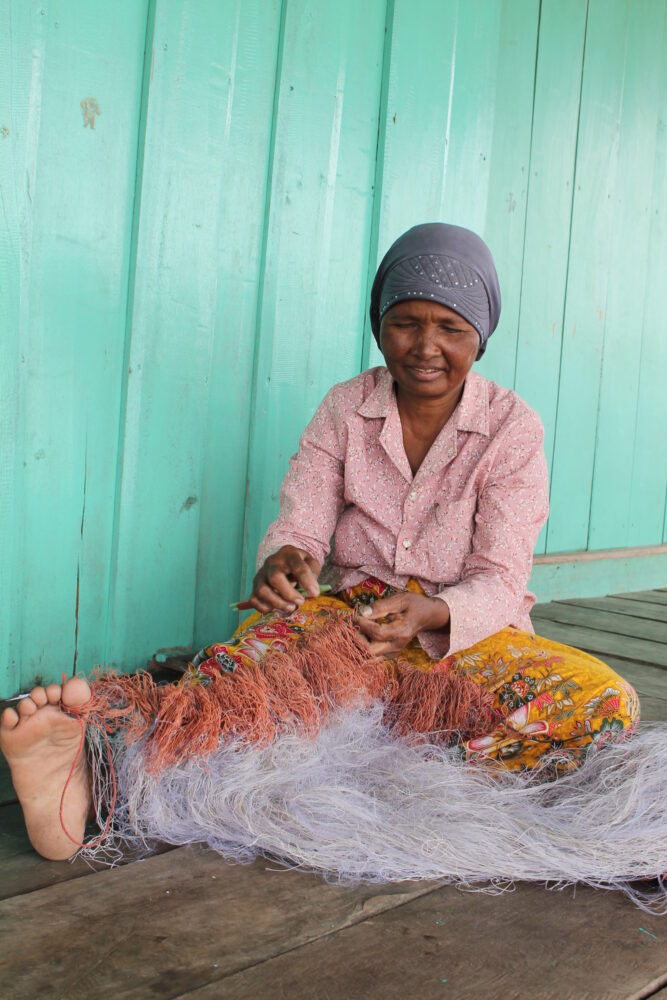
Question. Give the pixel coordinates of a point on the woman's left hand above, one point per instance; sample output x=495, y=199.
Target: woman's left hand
x=392, y=622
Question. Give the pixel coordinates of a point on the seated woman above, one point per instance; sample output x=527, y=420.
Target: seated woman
x=432, y=483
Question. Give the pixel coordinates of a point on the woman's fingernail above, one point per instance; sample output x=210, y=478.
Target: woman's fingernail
x=291, y=607
x=366, y=611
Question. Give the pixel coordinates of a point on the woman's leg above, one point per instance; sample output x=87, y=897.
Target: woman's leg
x=40, y=742
x=551, y=698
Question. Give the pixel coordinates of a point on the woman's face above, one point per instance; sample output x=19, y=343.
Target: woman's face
x=428, y=348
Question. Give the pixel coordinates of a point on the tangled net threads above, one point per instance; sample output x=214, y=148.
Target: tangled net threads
x=292, y=690
x=448, y=706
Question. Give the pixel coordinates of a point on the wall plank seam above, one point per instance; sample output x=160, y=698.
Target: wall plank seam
x=129, y=315
x=530, y=161
x=378, y=179
x=262, y=271
x=567, y=264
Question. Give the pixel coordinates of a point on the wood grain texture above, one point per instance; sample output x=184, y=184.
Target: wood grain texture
x=172, y=923
x=635, y=609
x=312, y=294
x=70, y=105
x=550, y=186
x=606, y=621
x=451, y=943
x=598, y=642
x=632, y=202
x=658, y=597
x=590, y=253
x=197, y=266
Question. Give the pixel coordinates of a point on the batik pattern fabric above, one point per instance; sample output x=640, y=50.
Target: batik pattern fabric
x=549, y=699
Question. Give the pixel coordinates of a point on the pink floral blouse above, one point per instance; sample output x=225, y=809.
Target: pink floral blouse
x=464, y=526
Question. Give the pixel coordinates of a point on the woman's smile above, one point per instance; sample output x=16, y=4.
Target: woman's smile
x=425, y=374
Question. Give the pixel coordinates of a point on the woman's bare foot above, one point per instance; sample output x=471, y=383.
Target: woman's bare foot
x=40, y=743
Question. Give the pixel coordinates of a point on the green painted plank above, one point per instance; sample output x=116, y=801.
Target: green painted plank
x=192, y=320
x=20, y=91
x=470, y=137
x=658, y=597
x=649, y=473
x=650, y=682
x=597, y=577
x=252, y=57
x=620, y=606
x=599, y=643
x=318, y=228
x=587, y=284
x=605, y=621
x=510, y=156
x=69, y=210
x=549, y=210
x=632, y=203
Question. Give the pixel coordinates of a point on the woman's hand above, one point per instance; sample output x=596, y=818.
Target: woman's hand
x=392, y=622
x=274, y=587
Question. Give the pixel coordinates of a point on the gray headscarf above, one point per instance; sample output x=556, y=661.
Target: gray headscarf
x=448, y=264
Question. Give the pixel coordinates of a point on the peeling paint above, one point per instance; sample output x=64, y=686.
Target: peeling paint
x=90, y=109
x=187, y=504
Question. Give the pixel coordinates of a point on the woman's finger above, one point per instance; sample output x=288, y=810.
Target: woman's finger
x=278, y=581
x=385, y=606
x=260, y=606
x=301, y=571
x=267, y=594
x=382, y=632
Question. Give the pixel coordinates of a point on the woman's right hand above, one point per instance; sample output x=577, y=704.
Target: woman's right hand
x=274, y=587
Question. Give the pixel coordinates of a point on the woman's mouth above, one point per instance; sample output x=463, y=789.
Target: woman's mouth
x=425, y=374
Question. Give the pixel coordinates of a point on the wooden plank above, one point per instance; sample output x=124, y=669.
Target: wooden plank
x=648, y=596
x=192, y=315
x=173, y=923
x=590, y=253
x=653, y=709
x=471, y=138
x=634, y=208
x=7, y=793
x=317, y=230
x=605, y=621
x=550, y=185
x=649, y=477
x=647, y=681
x=24, y=871
x=433, y=947
x=636, y=609
x=600, y=643
x=71, y=96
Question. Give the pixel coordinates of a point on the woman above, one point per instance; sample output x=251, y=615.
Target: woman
x=433, y=484
x=432, y=478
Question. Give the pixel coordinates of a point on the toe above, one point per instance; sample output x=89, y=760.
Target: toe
x=26, y=707
x=76, y=692
x=9, y=719
x=53, y=693
x=38, y=695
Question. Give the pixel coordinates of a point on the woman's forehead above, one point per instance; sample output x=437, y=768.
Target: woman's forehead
x=423, y=309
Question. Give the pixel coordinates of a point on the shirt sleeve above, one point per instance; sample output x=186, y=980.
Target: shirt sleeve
x=511, y=509
x=312, y=492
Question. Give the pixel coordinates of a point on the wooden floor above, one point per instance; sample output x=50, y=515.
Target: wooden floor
x=184, y=923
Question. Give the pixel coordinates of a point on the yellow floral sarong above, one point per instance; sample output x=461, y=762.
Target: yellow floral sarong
x=550, y=698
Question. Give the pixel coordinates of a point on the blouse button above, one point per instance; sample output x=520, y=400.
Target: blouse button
x=413, y=495
x=406, y=543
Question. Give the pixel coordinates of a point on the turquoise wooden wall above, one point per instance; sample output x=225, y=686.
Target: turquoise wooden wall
x=194, y=197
